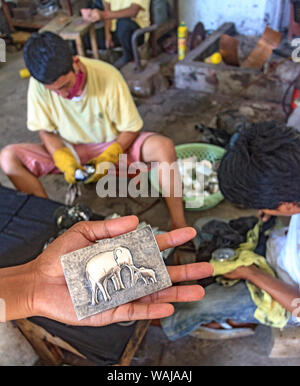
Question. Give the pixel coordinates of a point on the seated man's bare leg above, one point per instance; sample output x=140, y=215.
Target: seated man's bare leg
x=19, y=175
x=158, y=148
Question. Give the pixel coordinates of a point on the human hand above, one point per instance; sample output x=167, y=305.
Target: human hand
x=50, y=297
x=65, y=161
x=92, y=15
x=263, y=216
x=103, y=161
x=242, y=272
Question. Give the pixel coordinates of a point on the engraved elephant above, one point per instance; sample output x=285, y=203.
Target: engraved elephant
x=147, y=274
x=105, y=266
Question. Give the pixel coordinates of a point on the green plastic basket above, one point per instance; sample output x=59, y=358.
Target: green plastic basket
x=202, y=151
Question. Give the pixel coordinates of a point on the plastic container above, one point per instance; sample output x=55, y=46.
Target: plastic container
x=202, y=151
x=182, y=41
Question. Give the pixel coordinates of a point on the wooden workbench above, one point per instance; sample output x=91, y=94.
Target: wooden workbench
x=35, y=21
x=74, y=28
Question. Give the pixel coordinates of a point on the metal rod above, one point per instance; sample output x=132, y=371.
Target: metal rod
x=134, y=44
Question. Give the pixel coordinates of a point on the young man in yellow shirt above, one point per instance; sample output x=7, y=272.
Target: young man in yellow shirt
x=85, y=103
x=122, y=18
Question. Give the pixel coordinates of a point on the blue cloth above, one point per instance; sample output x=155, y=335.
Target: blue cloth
x=97, y=4
x=219, y=304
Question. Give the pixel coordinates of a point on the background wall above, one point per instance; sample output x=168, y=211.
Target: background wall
x=249, y=16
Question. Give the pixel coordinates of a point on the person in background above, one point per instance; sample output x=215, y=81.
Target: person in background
x=260, y=170
x=84, y=113
x=122, y=18
x=91, y=5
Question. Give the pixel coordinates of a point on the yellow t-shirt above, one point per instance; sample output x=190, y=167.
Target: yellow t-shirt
x=106, y=110
x=143, y=17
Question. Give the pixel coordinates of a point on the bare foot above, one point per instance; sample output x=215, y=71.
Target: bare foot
x=233, y=324
x=214, y=325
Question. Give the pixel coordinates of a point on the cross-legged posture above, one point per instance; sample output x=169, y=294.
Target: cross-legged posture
x=259, y=171
x=85, y=103
x=122, y=18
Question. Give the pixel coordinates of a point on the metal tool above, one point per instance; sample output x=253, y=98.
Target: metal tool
x=65, y=217
x=83, y=175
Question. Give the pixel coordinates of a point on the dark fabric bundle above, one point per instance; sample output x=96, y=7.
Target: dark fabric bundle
x=219, y=234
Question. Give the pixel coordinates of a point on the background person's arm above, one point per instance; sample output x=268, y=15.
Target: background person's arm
x=51, y=141
x=130, y=12
x=96, y=15
x=126, y=139
x=283, y=293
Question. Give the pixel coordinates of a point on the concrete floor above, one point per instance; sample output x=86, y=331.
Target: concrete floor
x=173, y=113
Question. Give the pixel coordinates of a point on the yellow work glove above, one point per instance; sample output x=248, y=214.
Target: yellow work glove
x=111, y=154
x=66, y=162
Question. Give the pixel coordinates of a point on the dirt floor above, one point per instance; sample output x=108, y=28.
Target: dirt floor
x=173, y=113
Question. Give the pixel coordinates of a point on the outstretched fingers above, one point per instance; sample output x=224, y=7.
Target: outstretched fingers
x=185, y=293
x=131, y=311
x=174, y=238
x=195, y=271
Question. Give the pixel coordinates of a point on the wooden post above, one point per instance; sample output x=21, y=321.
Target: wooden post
x=48, y=346
x=94, y=43
x=79, y=46
x=153, y=39
x=48, y=353
x=7, y=16
x=134, y=342
x=176, y=11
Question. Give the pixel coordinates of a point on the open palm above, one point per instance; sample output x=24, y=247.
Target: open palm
x=51, y=296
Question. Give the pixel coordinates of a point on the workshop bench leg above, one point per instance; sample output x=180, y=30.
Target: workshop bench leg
x=80, y=46
x=94, y=43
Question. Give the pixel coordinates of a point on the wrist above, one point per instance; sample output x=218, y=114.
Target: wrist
x=17, y=291
x=250, y=272
x=105, y=15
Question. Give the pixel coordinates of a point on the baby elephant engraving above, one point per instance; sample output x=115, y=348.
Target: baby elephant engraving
x=147, y=274
x=107, y=266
